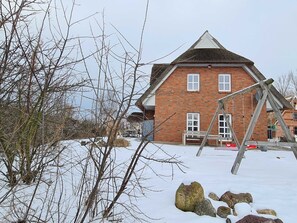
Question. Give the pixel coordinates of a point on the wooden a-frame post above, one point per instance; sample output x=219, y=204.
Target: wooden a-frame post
x=266, y=95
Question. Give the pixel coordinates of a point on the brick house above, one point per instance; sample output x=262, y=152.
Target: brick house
x=183, y=94
x=290, y=118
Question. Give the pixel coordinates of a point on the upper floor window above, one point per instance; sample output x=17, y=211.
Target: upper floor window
x=224, y=82
x=193, y=82
x=193, y=121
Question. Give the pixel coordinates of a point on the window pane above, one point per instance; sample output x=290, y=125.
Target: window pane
x=189, y=116
x=196, y=78
x=195, y=86
x=227, y=86
x=227, y=78
x=190, y=78
x=221, y=87
x=221, y=78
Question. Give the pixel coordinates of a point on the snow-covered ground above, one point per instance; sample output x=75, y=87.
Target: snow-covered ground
x=271, y=178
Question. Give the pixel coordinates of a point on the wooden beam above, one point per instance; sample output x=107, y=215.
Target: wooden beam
x=249, y=132
x=246, y=90
x=263, y=143
x=220, y=106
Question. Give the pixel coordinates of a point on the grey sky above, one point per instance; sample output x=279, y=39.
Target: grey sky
x=264, y=31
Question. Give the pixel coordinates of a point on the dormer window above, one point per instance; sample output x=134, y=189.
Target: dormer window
x=193, y=82
x=224, y=83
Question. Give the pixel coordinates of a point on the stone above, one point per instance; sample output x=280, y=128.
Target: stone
x=187, y=196
x=213, y=196
x=223, y=211
x=267, y=211
x=205, y=208
x=258, y=219
x=231, y=199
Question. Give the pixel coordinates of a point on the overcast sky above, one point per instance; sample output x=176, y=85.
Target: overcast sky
x=264, y=31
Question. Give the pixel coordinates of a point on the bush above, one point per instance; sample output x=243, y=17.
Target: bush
x=120, y=142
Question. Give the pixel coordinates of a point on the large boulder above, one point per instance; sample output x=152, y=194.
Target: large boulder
x=205, y=208
x=231, y=199
x=187, y=196
x=257, y=219
x=223, y=211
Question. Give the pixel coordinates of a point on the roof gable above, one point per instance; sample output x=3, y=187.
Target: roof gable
x=205, y=51
x=207, y=41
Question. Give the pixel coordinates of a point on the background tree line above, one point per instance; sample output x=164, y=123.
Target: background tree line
x=287, y=84
x=43, y=66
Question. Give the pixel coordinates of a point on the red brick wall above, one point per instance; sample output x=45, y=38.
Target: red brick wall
x=290, y=122
x=172, y=97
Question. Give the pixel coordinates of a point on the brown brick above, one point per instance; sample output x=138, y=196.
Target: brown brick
x=172, y=97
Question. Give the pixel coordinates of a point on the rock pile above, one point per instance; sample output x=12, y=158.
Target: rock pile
x=237, y=207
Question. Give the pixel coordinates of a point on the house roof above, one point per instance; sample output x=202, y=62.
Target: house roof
x=212, y=55
x=206, y=50
x=135, y=117
x=157, y=70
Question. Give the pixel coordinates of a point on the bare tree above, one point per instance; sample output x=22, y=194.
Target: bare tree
x=287, y=84
x=115, y=90
x=37, y=73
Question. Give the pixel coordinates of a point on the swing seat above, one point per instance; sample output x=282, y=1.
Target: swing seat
x=251, y=147
x=233, y=146
x=230, y=145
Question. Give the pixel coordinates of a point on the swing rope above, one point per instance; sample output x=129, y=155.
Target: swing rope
x=243, y=114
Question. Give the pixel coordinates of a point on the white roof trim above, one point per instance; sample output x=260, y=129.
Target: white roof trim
x=145, y=101
x=206, y=42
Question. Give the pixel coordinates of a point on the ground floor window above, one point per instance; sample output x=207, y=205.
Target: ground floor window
x=295, y=130
x=224, y=130
x=193, y=121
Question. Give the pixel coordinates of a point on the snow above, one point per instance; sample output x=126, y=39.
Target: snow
x=270, y=177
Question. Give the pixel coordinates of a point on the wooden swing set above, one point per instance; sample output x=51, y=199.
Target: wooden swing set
x=265, y=94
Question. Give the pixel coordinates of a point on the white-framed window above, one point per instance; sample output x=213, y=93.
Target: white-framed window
x=193, y=121
x=193, y=82
x=224, y=82
x=224, y=130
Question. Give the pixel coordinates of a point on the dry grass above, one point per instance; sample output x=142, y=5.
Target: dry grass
x=120, y=142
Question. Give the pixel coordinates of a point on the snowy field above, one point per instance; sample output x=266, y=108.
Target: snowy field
x=271, y=178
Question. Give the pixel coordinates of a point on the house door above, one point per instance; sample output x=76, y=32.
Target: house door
x=147, y=128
